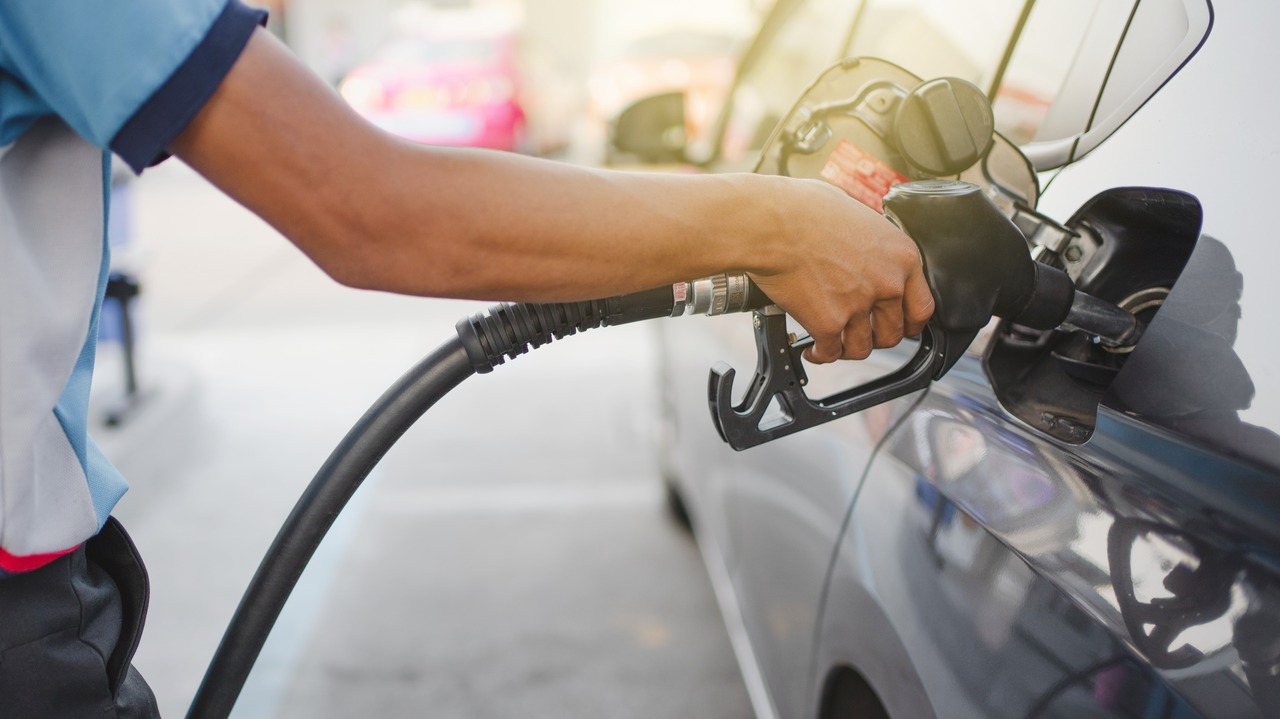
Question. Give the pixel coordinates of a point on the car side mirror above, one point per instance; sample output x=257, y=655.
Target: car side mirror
x=651, y=130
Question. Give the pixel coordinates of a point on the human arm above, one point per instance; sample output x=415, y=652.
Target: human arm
x=380, y=213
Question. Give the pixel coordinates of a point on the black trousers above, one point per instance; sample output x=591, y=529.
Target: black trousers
x=68, y=632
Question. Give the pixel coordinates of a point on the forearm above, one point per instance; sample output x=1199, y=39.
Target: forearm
x=380, y=213
x=499, y=226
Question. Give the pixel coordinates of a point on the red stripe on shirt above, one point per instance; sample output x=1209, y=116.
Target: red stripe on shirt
x=15, y=563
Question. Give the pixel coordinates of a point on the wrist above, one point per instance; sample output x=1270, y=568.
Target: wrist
x=766, y=224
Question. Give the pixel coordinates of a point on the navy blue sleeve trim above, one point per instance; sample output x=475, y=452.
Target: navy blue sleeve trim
x=144, y=137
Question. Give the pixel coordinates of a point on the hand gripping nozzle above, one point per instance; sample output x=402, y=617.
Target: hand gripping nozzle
x=978, y=266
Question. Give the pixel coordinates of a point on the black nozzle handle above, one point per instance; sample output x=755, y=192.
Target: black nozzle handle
x=975, y=259
x=775, y=404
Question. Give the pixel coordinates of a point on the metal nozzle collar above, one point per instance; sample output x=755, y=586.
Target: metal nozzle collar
x=711, y=296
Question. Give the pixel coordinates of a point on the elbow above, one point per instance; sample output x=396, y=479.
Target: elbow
x=349, y=255
x=386, y=262
x=349, y=277
x=351, y=241
x=383, y=239
x=355, y=265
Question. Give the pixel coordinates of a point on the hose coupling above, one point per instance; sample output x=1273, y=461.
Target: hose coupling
x=715, y=295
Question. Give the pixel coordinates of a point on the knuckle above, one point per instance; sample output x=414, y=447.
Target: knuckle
x=888, y=339
x=920, y=312
x=857, y=353
x=858, y=343
x=885, y=285
x=827, y=328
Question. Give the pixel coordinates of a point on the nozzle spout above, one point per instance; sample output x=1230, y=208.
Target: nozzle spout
x=1114, y=327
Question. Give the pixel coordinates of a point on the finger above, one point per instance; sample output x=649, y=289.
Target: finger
x=857, y=338
x=886, y=323
x=917, y=304
x=826, y=348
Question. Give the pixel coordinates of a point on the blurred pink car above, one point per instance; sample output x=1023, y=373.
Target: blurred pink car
x=455, y=90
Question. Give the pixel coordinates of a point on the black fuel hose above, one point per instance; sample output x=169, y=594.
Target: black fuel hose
x=484, y=340
x=351, y=461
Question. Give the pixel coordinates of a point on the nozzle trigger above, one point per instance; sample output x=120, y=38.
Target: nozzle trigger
x=776, y=405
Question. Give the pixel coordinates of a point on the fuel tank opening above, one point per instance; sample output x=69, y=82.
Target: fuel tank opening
x=1143, y=305
x=1139, y=240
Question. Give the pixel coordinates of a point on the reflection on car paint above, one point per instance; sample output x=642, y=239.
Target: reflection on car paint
x=1177, y=592
x=997, y=639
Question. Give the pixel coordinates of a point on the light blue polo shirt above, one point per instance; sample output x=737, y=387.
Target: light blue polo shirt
x=78, y=80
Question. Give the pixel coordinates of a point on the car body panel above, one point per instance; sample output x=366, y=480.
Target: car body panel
x=1000, y=511
x=984, y=631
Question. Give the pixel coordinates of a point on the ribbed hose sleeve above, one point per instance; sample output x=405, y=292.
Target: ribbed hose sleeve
x=507, y=331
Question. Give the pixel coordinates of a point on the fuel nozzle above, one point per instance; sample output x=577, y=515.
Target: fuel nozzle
x=978, y=266
x=976, y=260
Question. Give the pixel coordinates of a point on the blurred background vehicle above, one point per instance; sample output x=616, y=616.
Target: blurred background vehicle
x=929, y=38
x=559, y=55
x=455, y=84
x=699, y=64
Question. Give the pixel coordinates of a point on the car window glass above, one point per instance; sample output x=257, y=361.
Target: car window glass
x=1156, y=32
x=806, y=38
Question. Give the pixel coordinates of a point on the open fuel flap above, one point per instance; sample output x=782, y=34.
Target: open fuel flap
x=1073, y=299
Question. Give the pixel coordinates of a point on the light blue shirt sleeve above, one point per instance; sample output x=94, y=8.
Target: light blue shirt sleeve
x=94, y=64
